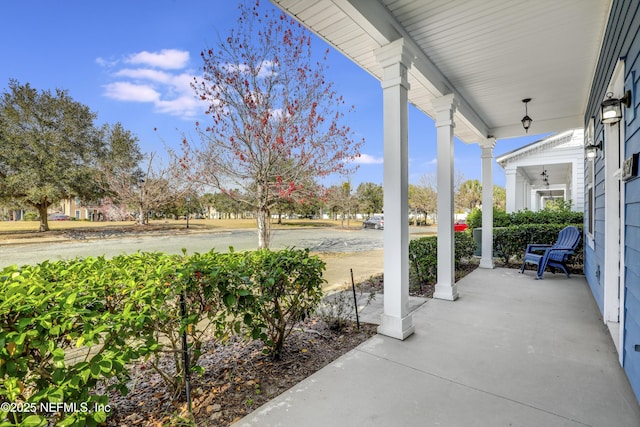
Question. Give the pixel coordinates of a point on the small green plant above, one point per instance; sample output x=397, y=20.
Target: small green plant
x=286, y=286
x=423, y=255
x=31, y=216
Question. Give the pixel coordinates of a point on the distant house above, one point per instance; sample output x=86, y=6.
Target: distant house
x=102, y=210
x=546, y=170
x=73, y=208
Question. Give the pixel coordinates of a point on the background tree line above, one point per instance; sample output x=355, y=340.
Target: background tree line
x=52, y=149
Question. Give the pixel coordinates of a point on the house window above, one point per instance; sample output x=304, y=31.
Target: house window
x=591, y=220
x=589, y=179
x=77, y=214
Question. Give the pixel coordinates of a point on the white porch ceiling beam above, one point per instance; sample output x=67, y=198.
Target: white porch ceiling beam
x=373, y=18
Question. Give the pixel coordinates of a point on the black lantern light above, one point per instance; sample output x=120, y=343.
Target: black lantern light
x=611, y=108
x=526, y=120
x=591, y=150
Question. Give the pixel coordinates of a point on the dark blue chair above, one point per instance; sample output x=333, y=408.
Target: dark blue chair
x=553, y=256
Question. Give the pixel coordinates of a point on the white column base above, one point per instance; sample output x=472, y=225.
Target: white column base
x=395, y=327
x=486, y=263
x=446, y=292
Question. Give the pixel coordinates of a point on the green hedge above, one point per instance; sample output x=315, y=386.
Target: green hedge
x=423, y=254
x=526, y=217
x=66, y=326
x=510, y=243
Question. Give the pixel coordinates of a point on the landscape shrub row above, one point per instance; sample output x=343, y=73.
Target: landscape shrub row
x=67, y=326
x=423, y=255
x=510, y=243
x=527, y=217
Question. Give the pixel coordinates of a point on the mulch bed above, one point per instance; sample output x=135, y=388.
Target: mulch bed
x=238, y=378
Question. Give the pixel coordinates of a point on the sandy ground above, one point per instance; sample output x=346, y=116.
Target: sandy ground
x=363, y=264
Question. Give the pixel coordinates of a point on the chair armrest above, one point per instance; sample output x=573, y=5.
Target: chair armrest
x=567, y=250
x=535, y=247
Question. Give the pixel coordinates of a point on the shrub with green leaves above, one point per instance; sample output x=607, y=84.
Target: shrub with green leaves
x=214, y=294
x=286, y=286
x=67, y=326
x=61, y=333
x=423, y=255
x=511, y=242
x=500, y=218
x=557, y=213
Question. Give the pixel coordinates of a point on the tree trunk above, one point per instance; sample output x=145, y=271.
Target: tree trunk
x=44, y=220
x=141, y=215
x=264, y=227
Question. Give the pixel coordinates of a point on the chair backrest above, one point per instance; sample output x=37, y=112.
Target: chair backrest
x=568, y=238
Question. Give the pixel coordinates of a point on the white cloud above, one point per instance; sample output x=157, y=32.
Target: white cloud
x=170, y=59
x=145, y=74
x=125, y=91
x=366, y=159
x=161, y=79
x=184, y=106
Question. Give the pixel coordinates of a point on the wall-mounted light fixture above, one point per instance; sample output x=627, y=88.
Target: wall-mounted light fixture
x=526, y=120
x=611, y=108
x=591, y=150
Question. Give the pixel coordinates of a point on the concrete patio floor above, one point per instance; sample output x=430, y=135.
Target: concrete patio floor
x=511, y=351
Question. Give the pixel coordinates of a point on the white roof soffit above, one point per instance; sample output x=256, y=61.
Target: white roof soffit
x=490, y=54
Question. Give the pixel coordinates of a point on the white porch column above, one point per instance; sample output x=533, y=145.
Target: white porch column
x=445, y=107
x=511, y=178
x=487, y=203
x=395, y=59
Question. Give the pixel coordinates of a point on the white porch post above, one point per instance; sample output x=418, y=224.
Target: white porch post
x=445, y=107
x=487, y=203
x=511, y=178
x=395, y=59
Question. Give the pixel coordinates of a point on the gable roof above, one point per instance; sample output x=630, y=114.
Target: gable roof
x=569, y=139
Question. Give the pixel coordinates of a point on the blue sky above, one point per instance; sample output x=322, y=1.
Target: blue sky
x=132, y=61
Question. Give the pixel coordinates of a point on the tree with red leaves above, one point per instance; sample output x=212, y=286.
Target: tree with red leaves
x=275, y=126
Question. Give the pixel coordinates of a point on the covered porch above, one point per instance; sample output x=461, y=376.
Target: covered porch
x=511, y=350
x=470, y=66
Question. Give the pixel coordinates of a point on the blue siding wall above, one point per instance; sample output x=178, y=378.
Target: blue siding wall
x=622, y=40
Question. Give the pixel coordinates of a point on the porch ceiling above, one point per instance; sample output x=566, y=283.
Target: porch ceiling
x=557, y=173
x=490, y=53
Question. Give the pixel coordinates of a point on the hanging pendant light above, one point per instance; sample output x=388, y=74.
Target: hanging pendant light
x=526, y=120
